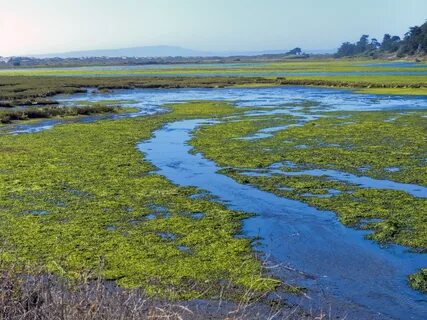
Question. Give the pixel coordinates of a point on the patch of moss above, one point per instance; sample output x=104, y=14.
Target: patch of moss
x=356, y=142
x=106, y=213
x=419, y=280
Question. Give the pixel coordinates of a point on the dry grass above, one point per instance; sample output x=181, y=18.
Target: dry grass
x=48, y=297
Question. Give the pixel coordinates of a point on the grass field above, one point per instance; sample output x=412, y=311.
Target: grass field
x=294, y=66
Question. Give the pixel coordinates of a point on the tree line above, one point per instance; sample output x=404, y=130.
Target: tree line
x=413, y=43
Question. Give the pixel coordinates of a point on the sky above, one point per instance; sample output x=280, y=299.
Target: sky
x=50, y=26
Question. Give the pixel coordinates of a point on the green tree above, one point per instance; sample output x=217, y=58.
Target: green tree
x=363, y=44
x=347, y=49
x=296, y=51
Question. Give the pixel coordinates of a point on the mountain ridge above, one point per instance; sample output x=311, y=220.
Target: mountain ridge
x=157, y=52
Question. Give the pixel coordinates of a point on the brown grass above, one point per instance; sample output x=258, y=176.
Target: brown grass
x=48, y=297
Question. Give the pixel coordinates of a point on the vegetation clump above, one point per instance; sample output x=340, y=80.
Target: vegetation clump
x=419, y=280
x=104, y=211
x=50, y=112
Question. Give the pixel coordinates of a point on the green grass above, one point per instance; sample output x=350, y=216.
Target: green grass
x=78, y=198
x=396, y=91
x=294, y=66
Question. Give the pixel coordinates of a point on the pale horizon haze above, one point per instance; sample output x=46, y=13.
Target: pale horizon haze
x=50, y=26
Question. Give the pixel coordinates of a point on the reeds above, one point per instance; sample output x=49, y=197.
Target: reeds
x=48, y=297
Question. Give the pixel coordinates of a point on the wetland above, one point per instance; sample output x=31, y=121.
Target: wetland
x=182, y=186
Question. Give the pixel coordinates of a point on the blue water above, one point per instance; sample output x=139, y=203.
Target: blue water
x=362, y=181
x=267, y=132
x=397, y=64
x=329, y=99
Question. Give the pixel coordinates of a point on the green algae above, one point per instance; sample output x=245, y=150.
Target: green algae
x=356, y=142
x=392, y=216
x=105, y=213
x=381, y=144
x=345, y=141
x=419, y=280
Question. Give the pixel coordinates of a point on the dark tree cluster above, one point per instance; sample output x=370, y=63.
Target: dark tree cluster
x=294, y=52
x=413, y=43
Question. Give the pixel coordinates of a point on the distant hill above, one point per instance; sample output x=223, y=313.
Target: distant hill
x=148, y=51
x=155, y=52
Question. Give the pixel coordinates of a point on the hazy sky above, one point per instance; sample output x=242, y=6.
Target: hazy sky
x=46, y=26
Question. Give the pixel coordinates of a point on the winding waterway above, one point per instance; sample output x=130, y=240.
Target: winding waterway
x=343, y=269
x=339, y=267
